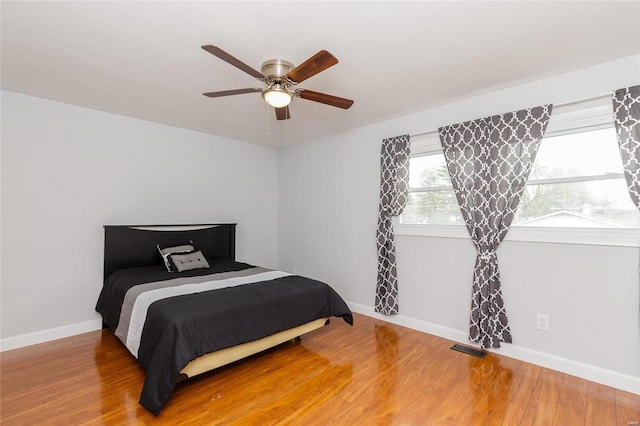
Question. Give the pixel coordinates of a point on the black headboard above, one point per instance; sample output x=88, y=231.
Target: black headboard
x=127, y=246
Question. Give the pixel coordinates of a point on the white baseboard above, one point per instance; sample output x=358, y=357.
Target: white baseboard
x=48, y=335
x=589, y=372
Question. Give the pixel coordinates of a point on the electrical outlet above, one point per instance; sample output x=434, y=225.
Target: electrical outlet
x=542, y=322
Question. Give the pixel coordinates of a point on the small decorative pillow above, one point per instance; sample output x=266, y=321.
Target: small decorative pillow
x=167, y=249
x=188, y=261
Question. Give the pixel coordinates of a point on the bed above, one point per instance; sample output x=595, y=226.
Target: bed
x=197, y=318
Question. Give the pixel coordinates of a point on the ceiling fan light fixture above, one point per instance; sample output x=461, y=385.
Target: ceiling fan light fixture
x=277, y=96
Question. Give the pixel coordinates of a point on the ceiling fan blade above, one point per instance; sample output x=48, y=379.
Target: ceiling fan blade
x=323, y=98
x=216, y=51
x=312, y=66
x=282, y=113
x=232, y=92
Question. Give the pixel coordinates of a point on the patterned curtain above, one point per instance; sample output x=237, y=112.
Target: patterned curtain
x=489, y=161
x=626, y=109
x=394, y=188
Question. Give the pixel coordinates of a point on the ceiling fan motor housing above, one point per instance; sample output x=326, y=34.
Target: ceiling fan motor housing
x=274, y=70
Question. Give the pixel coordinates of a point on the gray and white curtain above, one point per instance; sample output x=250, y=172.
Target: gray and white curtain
x=489, y=161
x=394, y=188
x=626, y=110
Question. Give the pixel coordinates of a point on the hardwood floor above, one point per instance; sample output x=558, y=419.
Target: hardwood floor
x=375, y=373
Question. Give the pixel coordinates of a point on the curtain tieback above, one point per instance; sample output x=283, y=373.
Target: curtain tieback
x=486, y=255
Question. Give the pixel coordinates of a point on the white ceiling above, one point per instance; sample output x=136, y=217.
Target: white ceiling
x=143, y=59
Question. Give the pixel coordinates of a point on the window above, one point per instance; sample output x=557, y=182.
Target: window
x=576, y=191
x=577, y=181
x=431, y=196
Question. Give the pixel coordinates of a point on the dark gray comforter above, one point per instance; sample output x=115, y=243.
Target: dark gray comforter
x=196, y=317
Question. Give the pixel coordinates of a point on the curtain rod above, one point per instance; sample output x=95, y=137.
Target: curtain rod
x=562, y=104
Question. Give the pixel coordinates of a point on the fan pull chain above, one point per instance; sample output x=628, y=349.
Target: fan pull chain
x=267, y=118
x=286, y=130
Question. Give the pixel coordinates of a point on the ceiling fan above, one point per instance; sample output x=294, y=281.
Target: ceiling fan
x=281, y=76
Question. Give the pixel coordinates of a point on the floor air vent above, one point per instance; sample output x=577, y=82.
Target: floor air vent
x=468, y=350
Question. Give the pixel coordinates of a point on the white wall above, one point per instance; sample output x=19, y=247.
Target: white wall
x=328, y=212
x=66, y=171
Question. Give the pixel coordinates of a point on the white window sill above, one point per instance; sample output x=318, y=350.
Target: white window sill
x=590, y=236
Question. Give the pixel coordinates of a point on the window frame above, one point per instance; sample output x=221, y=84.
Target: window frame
x=576, y=117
